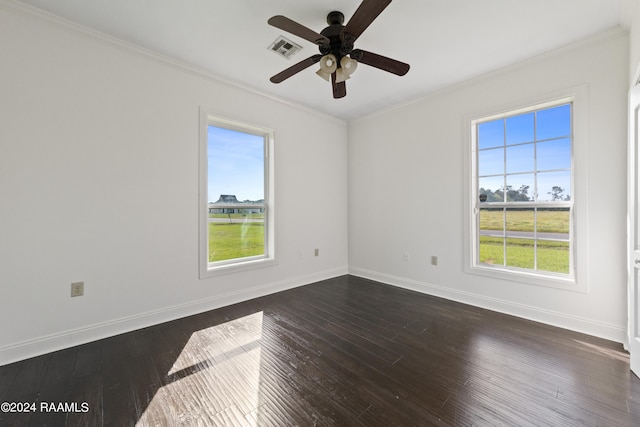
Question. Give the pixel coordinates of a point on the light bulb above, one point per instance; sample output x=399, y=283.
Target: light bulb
x=328, y=63
x=348, y=65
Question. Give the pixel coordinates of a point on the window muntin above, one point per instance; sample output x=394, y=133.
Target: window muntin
x=236, y=196
x=523, y=204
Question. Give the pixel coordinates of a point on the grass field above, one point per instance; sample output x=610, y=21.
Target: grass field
x=552, y=256
x=238, y=215
x=236, y=240
x=548, y=221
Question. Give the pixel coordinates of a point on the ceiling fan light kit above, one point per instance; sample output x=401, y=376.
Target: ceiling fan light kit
x=347, y=67
x=328, y=65
x=338, y=59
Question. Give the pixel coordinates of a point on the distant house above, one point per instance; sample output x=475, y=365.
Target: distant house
x=229, y=204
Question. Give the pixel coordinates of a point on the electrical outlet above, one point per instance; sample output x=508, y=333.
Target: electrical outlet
x=434, y=260
x=77, y=289
x=405, y=256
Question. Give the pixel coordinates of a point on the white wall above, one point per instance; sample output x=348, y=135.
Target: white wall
x=99, y=183
x=406, y=188
x=632, y=16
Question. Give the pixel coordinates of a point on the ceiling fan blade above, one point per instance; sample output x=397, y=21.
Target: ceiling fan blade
x=295, y=68
x=364, y=16
x=381, y=62
x=299, y=30
x=339, y=89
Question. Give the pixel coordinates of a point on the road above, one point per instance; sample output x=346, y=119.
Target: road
x=525, y=234
x=236, y=220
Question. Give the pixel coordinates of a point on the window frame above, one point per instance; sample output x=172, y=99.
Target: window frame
x=211, y=269
x=577, y=279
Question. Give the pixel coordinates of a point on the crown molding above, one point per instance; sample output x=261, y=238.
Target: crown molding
x=99, y=36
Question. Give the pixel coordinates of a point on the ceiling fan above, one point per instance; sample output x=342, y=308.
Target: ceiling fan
x=338, y=59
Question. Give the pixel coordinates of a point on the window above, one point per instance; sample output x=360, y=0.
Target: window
x=522, y=191
x=236, y=196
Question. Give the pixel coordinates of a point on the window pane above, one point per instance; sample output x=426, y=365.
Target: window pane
x=554, y=186
x=236, y=164
x=520, y=222
x=236, y=209
x=554, y=221
x=553, y=122
x=520, y=253
x=519, y=187
x=491, y=250
x=554, y=154
x=520, y=129
x=491, y=134
x=553, y=256
x=492, y=188
x=491, y=162
x=492, y=222
x=238, y=237
x=520, y=158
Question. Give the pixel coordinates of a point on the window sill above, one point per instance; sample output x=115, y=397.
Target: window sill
x=214, y=270
x=564, y=282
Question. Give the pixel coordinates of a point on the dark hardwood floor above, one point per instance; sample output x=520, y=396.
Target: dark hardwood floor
x=343, y=352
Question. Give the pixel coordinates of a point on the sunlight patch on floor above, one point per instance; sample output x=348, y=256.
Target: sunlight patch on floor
x=215, y=379
x=615, y=354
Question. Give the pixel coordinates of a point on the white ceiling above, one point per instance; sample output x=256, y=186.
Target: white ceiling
x=445, y=41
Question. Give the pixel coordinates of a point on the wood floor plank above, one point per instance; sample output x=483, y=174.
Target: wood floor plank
x=340, y=352
x=293, y=345
x=372, y=379
x=86, y=387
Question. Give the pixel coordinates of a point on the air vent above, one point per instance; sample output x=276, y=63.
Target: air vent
x=284, y=47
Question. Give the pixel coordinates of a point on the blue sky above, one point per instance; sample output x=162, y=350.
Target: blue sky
x=236, y=164
x=515, y=139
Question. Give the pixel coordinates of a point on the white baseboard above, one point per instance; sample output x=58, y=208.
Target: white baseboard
x=549, y=317
x=49, y=343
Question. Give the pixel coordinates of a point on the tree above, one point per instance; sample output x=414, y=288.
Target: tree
x=556, y=194
x=491, y=196
x=519, y=195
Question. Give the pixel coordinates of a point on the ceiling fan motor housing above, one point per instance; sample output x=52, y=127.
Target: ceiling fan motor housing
x=340, y=44
x=335, y=17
